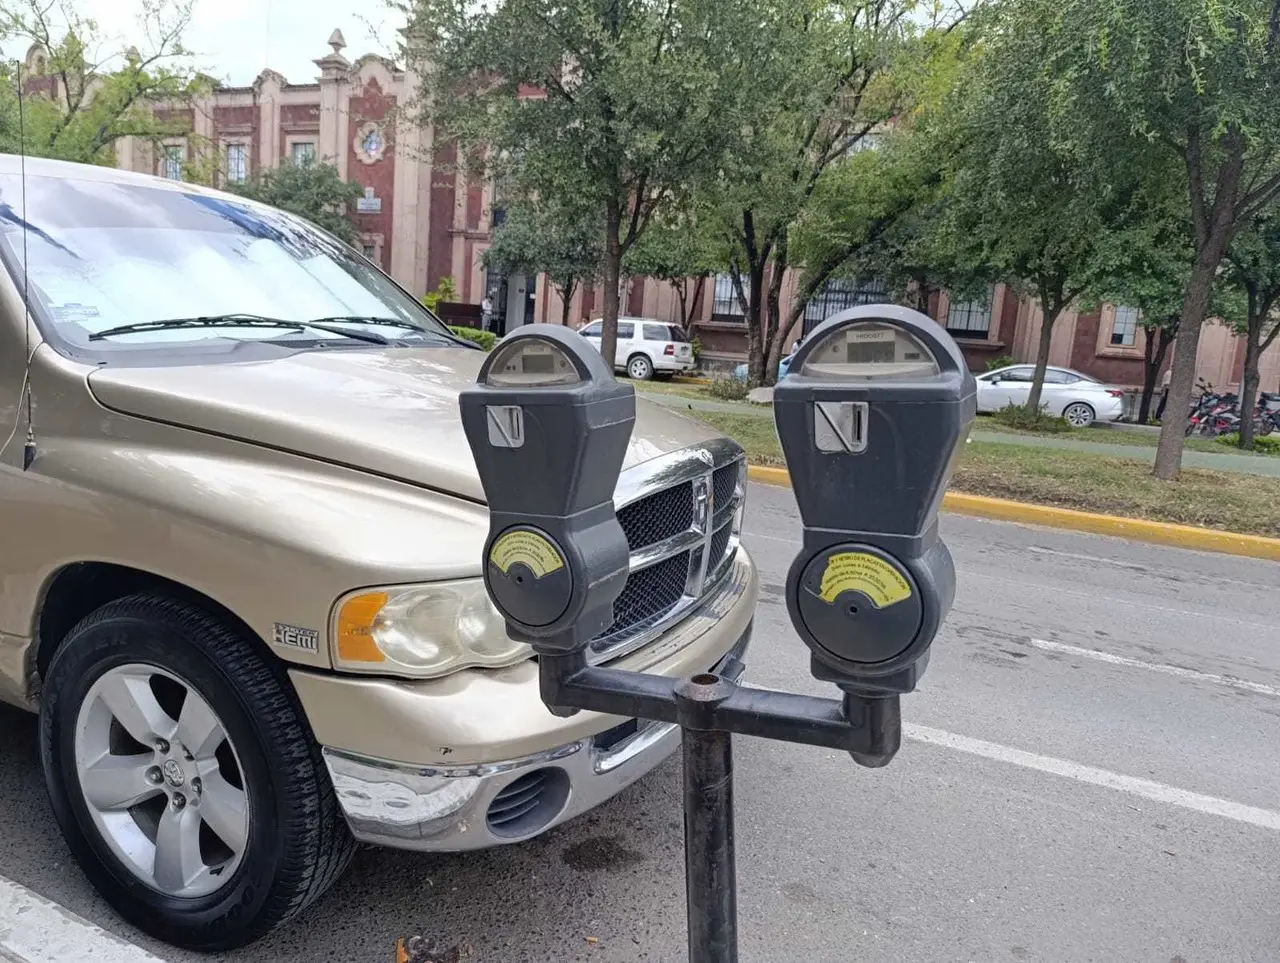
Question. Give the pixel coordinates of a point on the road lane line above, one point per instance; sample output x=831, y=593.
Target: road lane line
x=1037, y=550
x=1154, y=791
x=1160, y=667
x=964, y=573
x=36, y=930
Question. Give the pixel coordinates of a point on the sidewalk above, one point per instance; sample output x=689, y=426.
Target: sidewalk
x=1242, y=464
x=35, y=930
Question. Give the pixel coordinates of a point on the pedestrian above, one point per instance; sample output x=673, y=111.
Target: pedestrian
x=486, y=312
x=1164, y=393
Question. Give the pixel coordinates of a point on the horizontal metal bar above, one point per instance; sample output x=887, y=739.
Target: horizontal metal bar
x=661, y=551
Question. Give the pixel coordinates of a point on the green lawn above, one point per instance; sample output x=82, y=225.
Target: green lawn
x=1068, y=479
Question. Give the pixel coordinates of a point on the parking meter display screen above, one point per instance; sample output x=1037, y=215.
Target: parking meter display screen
x=530, y=363
x=870, y=350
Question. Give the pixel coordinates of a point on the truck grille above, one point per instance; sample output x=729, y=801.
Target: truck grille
x=681, y=515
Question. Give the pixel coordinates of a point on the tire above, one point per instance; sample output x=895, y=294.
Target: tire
x=289, y=841
x=1078, y=414
x=639, y=367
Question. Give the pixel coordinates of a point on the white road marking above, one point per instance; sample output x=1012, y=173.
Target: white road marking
x=773, y=538
x=1056, y=590
x=1155, y=791
x=1155, y=667
x=1037, y=550
x=35, y=930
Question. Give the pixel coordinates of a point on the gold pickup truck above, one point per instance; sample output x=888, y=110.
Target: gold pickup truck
x=240, y=540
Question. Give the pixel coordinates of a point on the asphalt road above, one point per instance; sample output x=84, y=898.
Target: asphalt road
x=1089, y=773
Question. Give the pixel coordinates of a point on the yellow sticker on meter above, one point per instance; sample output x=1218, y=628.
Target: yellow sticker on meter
x=532, y=550
x=859, y=572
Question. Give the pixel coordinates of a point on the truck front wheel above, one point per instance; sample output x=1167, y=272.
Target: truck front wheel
x=183, y=777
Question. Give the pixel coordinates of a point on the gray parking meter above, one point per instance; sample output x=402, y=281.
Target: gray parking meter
x=549, y=428
x=871, y=414
x=874, y=408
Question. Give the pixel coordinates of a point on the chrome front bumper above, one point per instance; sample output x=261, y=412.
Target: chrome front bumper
x=458, y=808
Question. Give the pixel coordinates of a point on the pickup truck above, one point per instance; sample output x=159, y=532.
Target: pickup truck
x=240, y=541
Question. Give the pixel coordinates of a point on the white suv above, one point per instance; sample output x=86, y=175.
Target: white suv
x=646, y=347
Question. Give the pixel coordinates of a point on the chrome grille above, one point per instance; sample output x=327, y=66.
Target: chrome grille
x=658, y=517
x=681, y=514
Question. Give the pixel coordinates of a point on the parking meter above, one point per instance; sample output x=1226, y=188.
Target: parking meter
x=549, y=427
x=872, y=413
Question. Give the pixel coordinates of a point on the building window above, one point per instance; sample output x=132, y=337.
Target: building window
x=726, y=304
x=237, y=162
x=370, y=251
x=171, y=162
x=970, y=319
x=1124, y=329
x=840, y=294
x=303, y=152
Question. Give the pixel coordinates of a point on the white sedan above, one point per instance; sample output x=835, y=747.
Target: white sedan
x=1067, y=394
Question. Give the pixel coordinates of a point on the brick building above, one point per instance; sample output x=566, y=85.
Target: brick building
x=421, y=219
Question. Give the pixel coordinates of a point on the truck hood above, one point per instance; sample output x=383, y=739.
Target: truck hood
x=389, y=411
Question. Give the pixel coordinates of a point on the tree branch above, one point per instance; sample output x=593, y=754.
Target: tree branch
x=1195, y=179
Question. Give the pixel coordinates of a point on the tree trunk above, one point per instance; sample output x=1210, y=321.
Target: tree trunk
x=1042, y=355
x=1249, y=382
x=755, y=337
x=1195, y=305
x=612, y=269
x=699, y=286
x=682, y=298
x=566, y=296
x=773, y=343
x=1156, y=347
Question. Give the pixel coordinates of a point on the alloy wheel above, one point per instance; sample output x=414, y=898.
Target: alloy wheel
x=1078, y=415
x=161, y=780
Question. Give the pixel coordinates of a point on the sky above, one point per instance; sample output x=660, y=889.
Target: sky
x=235, y=39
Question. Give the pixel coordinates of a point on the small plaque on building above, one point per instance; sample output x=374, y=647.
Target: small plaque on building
x=369, y=204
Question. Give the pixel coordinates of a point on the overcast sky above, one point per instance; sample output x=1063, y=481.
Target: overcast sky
x=236, y=39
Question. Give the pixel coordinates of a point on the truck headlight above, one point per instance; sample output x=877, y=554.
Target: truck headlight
x=422, y=631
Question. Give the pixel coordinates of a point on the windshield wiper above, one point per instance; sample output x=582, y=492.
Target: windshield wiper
x=444, y=337
x=236, y=321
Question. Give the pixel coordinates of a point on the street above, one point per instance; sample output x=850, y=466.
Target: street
x=1088, y=773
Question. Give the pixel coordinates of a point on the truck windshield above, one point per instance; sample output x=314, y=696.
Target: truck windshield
x=110, y=259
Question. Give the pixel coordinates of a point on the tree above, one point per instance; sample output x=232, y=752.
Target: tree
x=1035, y=211
x=1195, y=82
x=1253, y=268
x=85, y=96
x=311, y=190
x=679, y=252
x=561, y=241
x=618, y=106
x=821, y=92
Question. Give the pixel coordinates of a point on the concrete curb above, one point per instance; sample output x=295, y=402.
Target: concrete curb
x=1160, y=533
x=36, y=930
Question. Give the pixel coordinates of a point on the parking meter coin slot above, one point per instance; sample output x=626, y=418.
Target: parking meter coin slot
x=858, y=605
x=528, y=577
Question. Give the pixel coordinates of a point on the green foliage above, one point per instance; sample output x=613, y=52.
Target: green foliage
x=446, y=290
x=636, y=101
x=87, y=96
x=729, y=389
x=311, y=190
x=696, y=344
x=486, y=339
x=1003, y=361
x=553, y=236
x=1267, y=444
x=680, y=251
x=1017, y=416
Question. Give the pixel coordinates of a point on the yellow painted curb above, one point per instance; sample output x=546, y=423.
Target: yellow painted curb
x=1161, y=533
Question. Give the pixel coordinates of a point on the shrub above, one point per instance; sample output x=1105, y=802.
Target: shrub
x=696, y=344
x=485, y=339
x=446, y=290
x=729, y=389
x=1268, y=444
x=1017, y=416
x=995, y=364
